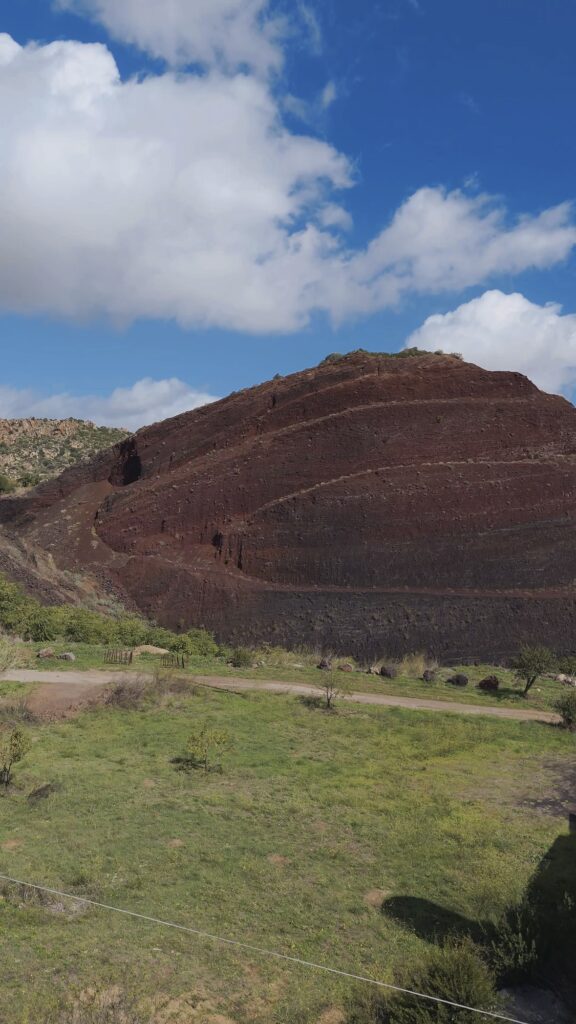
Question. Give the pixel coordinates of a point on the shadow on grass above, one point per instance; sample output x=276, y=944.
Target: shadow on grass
x=314, y=703
x=191, y=764
x=534, y=941
x=429, y=920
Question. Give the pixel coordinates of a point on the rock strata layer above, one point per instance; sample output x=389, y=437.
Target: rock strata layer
x=373, y=505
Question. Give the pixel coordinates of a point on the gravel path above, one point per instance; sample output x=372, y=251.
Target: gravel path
x=72, y=687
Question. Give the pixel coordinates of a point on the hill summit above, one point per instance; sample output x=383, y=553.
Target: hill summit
x=372, y=505
x=32, y=449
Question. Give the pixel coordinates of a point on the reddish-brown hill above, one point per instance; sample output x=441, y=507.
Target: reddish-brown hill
x=372, y=504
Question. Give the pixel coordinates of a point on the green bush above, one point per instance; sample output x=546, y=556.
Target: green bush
x=566, y=708
x=454, y=971
x=7, y=485
x=241, y=658
x=513, y=950
x=198, y=642
x=26, y=617
x=566, y=664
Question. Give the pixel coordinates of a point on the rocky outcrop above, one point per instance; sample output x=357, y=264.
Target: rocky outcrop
x=372, y=505
x=35, y=449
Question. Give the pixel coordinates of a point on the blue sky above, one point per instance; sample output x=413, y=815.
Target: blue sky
x=237, y=188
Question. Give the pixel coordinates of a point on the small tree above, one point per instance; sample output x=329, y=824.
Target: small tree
x=203, y=746
x=531, y=663
x=14, y=744
x=332, y=688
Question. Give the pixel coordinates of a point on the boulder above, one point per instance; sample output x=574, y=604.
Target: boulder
x=458, y=680
x=489, y=684
x=46, y=652
x=345, y=668
x=389, y=671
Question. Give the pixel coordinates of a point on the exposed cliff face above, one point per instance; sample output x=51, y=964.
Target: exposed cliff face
x=372, y=504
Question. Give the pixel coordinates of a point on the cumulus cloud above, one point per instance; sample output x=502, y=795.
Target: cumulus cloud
x=186, y=197
x=147, y=401
x=227, y=32
x=507, y=332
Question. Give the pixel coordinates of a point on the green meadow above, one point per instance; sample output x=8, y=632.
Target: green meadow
x=316, y=825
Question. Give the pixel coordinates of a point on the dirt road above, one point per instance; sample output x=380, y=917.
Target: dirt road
x=65, y=690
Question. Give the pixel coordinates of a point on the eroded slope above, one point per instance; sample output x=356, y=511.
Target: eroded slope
x=370, y=504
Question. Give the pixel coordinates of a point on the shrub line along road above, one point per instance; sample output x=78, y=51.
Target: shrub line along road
x=86, y=683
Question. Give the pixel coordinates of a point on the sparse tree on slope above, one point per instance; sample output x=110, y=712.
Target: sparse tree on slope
x=531, y=663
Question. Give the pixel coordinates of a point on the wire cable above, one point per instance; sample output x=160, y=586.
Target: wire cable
x=258, y=949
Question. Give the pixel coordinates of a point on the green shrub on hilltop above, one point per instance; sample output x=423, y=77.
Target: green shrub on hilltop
x=24, y=616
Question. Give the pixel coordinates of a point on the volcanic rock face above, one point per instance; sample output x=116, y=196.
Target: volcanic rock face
x=373, y=504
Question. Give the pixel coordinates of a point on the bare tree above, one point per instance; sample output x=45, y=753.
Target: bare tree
x=332, y=689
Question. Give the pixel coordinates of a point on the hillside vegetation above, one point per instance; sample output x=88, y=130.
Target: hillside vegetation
x=32, y=450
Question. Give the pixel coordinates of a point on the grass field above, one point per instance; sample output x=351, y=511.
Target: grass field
x=315, y=819
x=290, y=669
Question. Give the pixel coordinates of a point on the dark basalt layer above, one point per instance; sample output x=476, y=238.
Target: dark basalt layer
x=370, y=505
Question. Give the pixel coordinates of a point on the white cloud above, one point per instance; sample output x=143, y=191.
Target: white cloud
x=147, y=401
x=311, y=26
x=507, y=332
x=231, y=33
x=442, y=241
x=184, y=196
x=328, y=95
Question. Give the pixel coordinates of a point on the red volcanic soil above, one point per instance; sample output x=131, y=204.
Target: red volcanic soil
x=371, y=505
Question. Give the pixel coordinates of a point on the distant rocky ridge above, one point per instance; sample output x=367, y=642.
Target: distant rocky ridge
x=371, y=505
x=33, y=450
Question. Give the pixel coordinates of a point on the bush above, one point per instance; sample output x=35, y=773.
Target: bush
x=241, y=658
x=456, y=972
x=196, y=642
x=7, y=485
x=12, y=655
x=334, y=357
x=17, y=713
x=28, y=618
x=513, y=950
x=127, y=696
x=566, y=665
x=203, y=745
x=413, y=665
x=566, y=708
